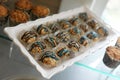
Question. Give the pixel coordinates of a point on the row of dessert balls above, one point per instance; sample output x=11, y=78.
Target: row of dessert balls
x=23, y=12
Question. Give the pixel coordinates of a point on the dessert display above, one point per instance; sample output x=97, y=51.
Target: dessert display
x=112, y=57
x=64, y=38
x=56, y=42
x=39, y=12
x=3, y=15
x=17, y=17
x=24, y=5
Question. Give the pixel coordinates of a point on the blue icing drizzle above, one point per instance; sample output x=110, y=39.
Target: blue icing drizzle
x=62, y=52
x=49, y=54
x=82, y=39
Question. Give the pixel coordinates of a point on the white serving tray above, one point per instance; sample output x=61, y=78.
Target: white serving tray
x=14, y=33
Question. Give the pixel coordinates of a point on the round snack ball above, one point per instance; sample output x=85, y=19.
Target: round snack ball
x=51, y=41
x=54, y=27
x=84, y=27
x=3, y=11
x=92, y=23
x=37, y=47
x=93, y=35
x=29, y=37
x=65, y=24
x=40, y=11
x=63, y=36
x=83, y=16
x=75, y=21
x=84, y=41
x=17, y=16
x=74, y=46
x=24, y=4
x=42, y=30
x=49, y=59
x=102, y=31
x=63, y=52
x=75, y=31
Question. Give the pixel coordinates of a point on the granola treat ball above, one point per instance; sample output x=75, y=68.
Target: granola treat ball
x=63, y=36
x=51, y=41
x=49, y=59
x=17, y=17
x=65, y=24
x=37, y=47
x=24, y=5
x=92, y=23
x=92, y=35
x=102, y=31
x=29, y=37
x=75, y=21
x=84, y=41
x=63, y=52
x=54, y=27
x=39, y=12
x=3, y=15
x=74, y=46
x=83, y=16
x=42, y=30
x=112, y=57
x=75, y=31
x=84, y=27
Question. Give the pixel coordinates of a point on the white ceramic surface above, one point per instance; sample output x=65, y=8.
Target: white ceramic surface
x=14, y=33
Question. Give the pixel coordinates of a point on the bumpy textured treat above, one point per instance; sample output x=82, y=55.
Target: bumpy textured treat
x=92, y=23
x=39, y=12
x=17, y=16
x=74, y=46
x=29, y=37
x=92, y=35
x=84, y=27
x=102, y=31
x=112, y=57
x=3, y=15
x=50, y=59
x=54, y=27
x=37, y=47
x=42, y=30
x=75, y=21
x=75, y=31
x=65, y=24
x=51, y=41
x=118, y=42
x=84, y=41
x=24, y=5
x=63, y=52
x=63, y=36
x=83, y=16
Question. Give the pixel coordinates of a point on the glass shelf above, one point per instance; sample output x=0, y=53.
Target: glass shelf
x=16, y=65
